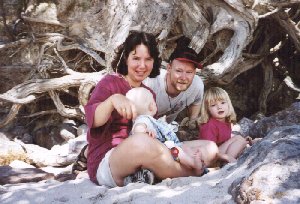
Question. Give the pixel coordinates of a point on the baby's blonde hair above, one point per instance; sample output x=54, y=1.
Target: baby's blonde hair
x=212, y=95
x=141, y=97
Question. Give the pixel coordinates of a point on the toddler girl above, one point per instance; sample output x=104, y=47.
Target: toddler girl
x=216, y=118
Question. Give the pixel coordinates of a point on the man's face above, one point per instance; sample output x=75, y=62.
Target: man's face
x=181, y=75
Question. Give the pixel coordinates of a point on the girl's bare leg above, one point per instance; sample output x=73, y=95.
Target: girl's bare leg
x=234, y=146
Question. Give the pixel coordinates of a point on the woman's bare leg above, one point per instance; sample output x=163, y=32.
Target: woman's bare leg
x=209, y=150
x=142, y=151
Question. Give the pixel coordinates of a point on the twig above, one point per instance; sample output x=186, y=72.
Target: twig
x=289, y=82
x=270, y=13
x=11, y=115
x=40, y=113
x=17, y=43
x=36, y=20
x=88, y=51
x=65, y=66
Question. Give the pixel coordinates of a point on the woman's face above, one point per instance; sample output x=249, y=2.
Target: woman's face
x=140, y=65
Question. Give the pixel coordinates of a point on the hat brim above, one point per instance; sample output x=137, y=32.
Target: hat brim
x=197, y=65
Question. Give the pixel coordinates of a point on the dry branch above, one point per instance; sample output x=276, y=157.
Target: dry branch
x=27, y=92
x=266, y=89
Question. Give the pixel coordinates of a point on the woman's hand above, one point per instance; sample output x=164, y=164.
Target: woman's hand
x=124, y=106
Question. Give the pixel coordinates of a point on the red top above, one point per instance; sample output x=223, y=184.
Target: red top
x=114, y=131
x=215, y=130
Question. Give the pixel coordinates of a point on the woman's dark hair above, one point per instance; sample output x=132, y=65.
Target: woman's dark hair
x=134, y=39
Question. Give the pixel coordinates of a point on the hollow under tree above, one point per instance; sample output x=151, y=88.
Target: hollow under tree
x=57, y=50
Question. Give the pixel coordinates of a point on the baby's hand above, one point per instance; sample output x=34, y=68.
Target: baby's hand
x=151, y=133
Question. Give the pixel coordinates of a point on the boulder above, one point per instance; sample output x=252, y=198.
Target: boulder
x=273, y=166
x=287, y=117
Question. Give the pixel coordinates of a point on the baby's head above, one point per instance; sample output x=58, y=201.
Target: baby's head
x=143, y=100
x=211, y=96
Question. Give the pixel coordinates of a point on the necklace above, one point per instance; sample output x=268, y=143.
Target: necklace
x=124, y=77
x=168, y=94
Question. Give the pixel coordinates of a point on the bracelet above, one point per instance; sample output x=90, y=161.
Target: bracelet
x=174, y=153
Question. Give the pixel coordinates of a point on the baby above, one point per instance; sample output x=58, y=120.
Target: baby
x=146, y=108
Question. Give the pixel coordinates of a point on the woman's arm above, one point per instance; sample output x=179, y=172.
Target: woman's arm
x=116, y=101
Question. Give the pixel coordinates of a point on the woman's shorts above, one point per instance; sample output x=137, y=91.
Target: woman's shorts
x=104, y=176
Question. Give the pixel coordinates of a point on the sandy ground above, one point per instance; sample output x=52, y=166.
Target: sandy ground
x=211, y=188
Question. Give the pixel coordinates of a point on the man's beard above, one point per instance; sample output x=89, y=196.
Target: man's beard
x=181, y=85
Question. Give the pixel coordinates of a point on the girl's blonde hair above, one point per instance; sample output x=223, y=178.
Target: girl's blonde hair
x=212, y=95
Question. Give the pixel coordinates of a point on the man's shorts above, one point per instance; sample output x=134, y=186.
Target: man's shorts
x=103, y=175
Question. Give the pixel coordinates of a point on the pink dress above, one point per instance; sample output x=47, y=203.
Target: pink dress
x=215, y=130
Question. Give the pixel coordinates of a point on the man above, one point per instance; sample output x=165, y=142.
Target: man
x=178, y=87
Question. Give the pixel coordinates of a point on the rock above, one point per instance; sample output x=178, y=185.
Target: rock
x=58, y=170
x=42, y=157
x=65, y=177
x=68, y=129
x=9, y=147
x=76, y=145
x=243, y=126
x=287, y=117
x=48, y=136
x=27, y=138
x=9, y=175
x=20, y=164
x=82, y=130
x=10, y=151
x=276, y=165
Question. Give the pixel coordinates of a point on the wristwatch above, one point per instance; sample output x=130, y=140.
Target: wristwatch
x=175, y=152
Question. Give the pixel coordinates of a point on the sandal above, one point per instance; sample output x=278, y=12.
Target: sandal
x=80, y=163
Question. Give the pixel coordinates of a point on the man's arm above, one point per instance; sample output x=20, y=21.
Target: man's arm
x=191, y=120
x=193, y=111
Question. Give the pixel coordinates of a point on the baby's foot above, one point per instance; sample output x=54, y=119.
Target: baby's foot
x=198, y=163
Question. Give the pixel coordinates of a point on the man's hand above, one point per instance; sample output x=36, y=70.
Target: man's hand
x=191, y=124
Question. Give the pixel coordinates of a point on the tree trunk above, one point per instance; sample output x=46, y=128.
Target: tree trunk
x=54, y=50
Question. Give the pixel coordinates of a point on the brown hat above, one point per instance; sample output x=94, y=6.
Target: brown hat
x=186, y=55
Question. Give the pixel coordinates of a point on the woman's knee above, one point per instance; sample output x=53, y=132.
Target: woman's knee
x=212, y=148
x=213, y=151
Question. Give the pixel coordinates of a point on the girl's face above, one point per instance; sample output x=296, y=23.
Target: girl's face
x=219, y=110
x=140, y=65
